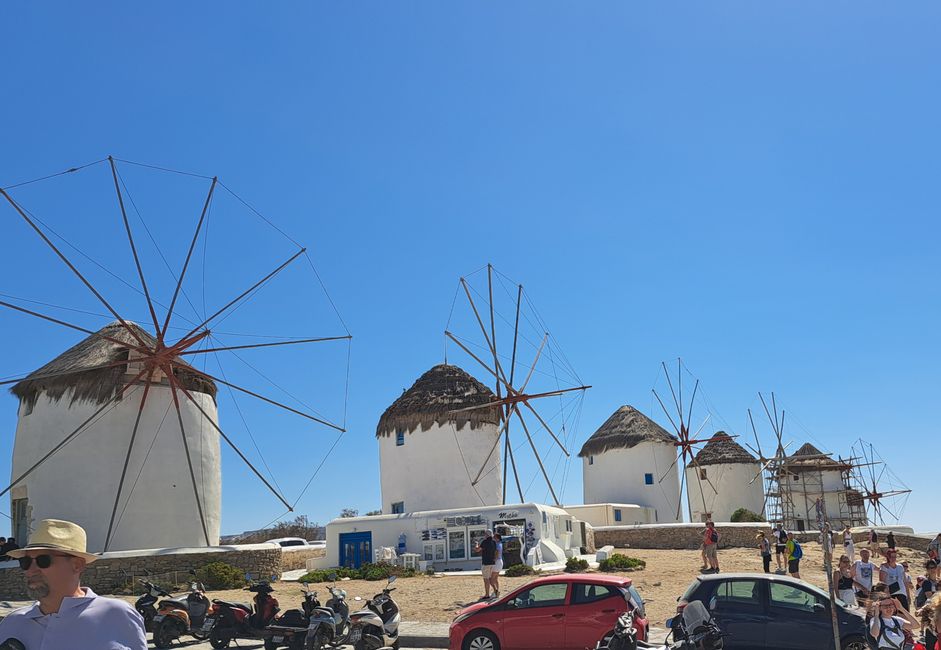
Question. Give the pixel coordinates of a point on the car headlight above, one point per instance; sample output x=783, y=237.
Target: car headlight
x=462, y=617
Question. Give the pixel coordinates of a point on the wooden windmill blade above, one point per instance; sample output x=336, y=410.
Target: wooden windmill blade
x=156, y=358
x=512, y=399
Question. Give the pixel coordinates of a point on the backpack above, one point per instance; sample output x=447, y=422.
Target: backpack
x=714, y=537
x=798, y=551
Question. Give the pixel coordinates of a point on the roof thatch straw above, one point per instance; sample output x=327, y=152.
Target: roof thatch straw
x=626, y=428
x=432, y=399
x=810, y=458
x=722, y=450
x=97, y=386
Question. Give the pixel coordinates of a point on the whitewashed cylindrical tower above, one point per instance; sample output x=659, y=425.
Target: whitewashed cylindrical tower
x=430, y=452
x=625, y=460
x=721, y=479
x=80, y=482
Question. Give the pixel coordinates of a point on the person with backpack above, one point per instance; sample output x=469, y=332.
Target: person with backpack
x=710, y=545
x=874, y=543
x=929, y=585
x=889, y=624
x=794, y=555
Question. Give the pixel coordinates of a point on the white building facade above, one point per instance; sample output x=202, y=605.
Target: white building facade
x=631, y=459
x=613, y=514
x=431, y=452
x=80, y=482
x=722, y=478
x=533, y=534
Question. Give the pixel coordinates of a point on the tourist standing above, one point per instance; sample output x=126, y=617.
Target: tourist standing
x=934, y=548
x=843, y=579
x=487, y=548
x=889, y=623
x=780, y=546
x=890, y=540
x=929, y=586
x=710, y=545
x=497, y=565
x=67, y=615
x=848, y=546
x=764, y=547
x=794, y=555
x=863, y=571
x=893, y=574
x=874, y=543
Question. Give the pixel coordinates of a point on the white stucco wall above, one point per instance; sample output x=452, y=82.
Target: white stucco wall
x=427, y=472
x=617, y=476
x=603, y=514
x=79, y=483
x=548, y=525
x=733, y=490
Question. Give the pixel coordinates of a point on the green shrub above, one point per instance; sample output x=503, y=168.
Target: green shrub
x=745, y=515
x=619, y=562
x=379, y=571
x=518, y=570
x=576, y=565
x=220, y=575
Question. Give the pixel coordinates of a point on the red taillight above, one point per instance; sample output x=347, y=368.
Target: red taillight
x=680, y=606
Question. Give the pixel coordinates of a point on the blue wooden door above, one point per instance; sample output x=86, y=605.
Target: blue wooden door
x=355, y=549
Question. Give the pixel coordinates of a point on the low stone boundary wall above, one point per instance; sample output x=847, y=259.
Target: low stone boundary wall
x=676, y=536
x=116, y=571
x=295, y=557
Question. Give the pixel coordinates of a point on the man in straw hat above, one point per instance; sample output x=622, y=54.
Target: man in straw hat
x=67, y=616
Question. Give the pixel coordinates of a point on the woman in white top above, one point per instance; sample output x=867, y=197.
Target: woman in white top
x=848, y=547
x=889, y=622
x=893, y=574
x=843, y=579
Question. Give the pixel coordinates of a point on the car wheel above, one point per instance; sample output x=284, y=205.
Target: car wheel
x=480, y=640
x=854, y=643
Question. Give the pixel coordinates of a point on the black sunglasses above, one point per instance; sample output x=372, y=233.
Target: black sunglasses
x=43, y=561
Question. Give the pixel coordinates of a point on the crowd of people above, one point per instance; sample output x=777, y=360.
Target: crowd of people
x=895, y=603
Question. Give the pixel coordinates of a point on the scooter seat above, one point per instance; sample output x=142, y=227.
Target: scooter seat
x=231, y=605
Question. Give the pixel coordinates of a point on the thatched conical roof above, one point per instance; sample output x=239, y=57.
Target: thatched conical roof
x=810, y=458
x=722, y=450
x=432, y=399
x=626, y=428
x=98, y=386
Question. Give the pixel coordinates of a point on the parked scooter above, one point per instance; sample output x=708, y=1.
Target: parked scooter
x=290, y=628
x=329, y=625
x=182, y=615
x=376, y=626
x=240, y=621
x=695, y=630
x=146, y=604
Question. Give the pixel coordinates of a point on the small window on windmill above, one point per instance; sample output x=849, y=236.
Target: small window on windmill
x=648, y=479
x=702, y=474
x=399, y=438
x=398, y=508
x=591, y=460
x=617, y=514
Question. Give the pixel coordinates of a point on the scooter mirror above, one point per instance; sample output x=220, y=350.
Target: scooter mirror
x=332, y=577
x=391, y=579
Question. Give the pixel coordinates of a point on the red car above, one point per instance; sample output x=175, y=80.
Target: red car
x=574, y=612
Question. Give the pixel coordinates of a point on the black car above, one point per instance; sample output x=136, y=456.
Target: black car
x=775, y=612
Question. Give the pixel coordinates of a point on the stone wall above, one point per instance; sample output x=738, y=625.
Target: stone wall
x=115, y=571
x=688, y=536
x=295, y=557
x=676, y=536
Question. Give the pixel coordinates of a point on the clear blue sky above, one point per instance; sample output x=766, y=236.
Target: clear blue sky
x=751, y=187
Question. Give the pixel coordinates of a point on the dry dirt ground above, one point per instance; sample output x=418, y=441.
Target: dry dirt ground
x=666, y=577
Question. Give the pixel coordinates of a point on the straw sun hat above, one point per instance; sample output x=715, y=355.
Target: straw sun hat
x=57, y=535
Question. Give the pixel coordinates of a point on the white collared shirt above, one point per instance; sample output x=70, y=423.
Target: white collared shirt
x=88, y=622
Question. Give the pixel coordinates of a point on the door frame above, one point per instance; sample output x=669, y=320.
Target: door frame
x=356, y=539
